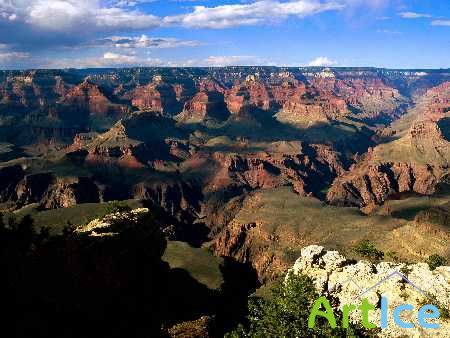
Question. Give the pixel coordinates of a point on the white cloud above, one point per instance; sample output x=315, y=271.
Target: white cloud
x=223, y=61
x=144, y=41
x=322, y=61
x=130, y=3
x=258, y=12
x=413, y=15
x=108, y=59
x=119, y=57
x=372, y=4
x=74, y=15
x=13, y=56
x=388, y=31
x=65, y=14
x=440, y=23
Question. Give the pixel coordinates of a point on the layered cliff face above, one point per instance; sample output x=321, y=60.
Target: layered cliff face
x=113, y=147
x=46, y=189
x=370, y=98
x=310, y=109
x=210, y=85
x=136, y=141
x=344, y=280
x=66, y=192
x=32, y=90
x=415, y=162
x=290, y=99
x=88, y=97
x=249, y=93
x=371, y=184
x=304, y=167
x=437, y=102
x=157, y=97
x=180, y=199
x=204, y=106
x=32, y=188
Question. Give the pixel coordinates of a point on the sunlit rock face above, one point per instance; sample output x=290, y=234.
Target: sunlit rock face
x=348, y=282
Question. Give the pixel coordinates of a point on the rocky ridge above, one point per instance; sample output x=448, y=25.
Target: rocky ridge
x=113, y=224
x=415, y=162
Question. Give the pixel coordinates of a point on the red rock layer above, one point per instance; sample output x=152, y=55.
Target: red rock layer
x=88, y=96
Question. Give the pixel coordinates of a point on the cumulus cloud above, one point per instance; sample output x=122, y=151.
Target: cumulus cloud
x=65, y=22
x=322, y=61
x=413, y=15
x=61, y=15
x=112, y=29
x=257, y=12
x=40, y=24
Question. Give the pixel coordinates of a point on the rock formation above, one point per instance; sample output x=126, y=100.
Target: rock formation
x=88, y=97
x=66, y=192
x=305, y=167
x=113, y=224
x=415, y=162
x=347, y=282
x=364, y=186
x=204, y=106
x=157, y=97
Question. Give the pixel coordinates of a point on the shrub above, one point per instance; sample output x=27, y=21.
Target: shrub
x=393, y=255
x=116, y=206
x=286, y=312
x=405, y=270
x=435, y=261
x=366, y=249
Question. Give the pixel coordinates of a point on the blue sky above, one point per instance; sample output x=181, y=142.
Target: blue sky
x=116, y=33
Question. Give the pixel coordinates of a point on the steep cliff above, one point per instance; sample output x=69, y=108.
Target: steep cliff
x=414, y=162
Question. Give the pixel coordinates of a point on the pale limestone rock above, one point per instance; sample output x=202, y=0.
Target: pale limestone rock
x=111, y=224
x=336, y=278
x=333, y=261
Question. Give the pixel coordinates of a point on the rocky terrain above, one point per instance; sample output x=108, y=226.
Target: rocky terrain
x=250, y=164
x=414, y=162
x=347, y=282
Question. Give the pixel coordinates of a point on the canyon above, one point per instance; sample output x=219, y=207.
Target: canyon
x=251, y=163
x=223, y=178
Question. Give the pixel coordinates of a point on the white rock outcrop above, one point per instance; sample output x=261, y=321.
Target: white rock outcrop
x=112, y=224
x=348, y=282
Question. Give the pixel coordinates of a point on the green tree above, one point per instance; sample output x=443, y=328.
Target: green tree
x=286, y=312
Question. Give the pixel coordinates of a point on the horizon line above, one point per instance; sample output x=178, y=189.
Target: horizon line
x=229, y=66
